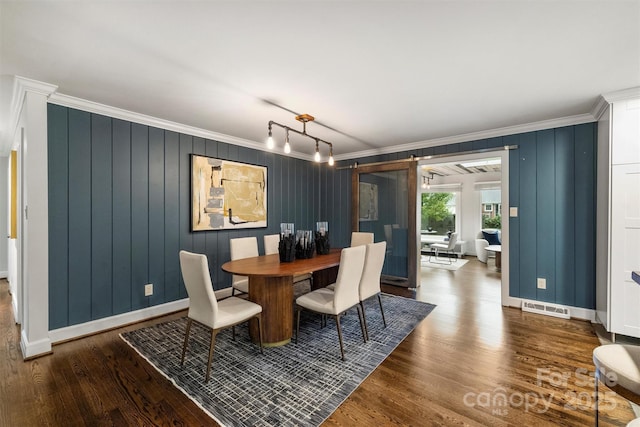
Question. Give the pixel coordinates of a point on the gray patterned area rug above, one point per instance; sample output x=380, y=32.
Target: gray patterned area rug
x=296, y=384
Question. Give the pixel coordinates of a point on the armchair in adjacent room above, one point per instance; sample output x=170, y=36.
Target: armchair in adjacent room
x=486, y=237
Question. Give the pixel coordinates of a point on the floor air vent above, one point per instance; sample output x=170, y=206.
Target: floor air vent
x=546, y=308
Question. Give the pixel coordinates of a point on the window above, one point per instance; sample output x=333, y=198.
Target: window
x=491, y=208
x=439, y=212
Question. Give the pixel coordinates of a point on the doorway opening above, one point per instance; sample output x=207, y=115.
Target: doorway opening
x=460, y=203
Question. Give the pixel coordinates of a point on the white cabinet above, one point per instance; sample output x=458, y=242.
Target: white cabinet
x=618, y=215
x=625, y=249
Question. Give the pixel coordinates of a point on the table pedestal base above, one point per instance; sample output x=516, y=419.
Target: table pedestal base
x=277, y=322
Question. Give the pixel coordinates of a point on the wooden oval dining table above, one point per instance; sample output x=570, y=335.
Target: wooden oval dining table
x=271, y=286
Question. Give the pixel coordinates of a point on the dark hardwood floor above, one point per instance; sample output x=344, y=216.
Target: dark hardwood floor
x=470, y=362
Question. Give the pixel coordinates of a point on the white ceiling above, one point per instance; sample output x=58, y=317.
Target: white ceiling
x=380, y=73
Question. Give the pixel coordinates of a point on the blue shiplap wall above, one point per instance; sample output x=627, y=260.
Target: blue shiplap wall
x=114, y=227
x=119, y=200
x=552, y=182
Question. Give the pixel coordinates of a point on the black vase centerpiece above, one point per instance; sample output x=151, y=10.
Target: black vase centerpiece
x=287, y=248
x=322, y=238
x=305, y=245
x=287, y=245
x=322, y=243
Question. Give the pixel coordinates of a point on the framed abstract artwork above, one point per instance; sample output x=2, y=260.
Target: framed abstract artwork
x=227, y=195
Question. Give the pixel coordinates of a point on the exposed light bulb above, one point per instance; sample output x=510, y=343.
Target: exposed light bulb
x=270, y=143
x=287, y=146
x=331, y=161
x=316, y=157
x=424, y=184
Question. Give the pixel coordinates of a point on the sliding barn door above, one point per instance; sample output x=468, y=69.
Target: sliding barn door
x=384, y=203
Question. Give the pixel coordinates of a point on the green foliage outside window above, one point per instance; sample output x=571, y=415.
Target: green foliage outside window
x=488, y=222
x=436, y=214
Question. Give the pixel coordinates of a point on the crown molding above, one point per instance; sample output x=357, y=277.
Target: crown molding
x=119, y=113
x=621, y=95
x=22, y=86
x=607, y=99
x=474, y=136
x=599, y=108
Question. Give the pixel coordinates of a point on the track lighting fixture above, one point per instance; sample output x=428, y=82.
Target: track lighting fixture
x=426, y=181
x=303, y=118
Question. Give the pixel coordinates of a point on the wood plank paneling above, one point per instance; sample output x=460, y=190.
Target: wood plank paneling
x=585, y=215
x=126, y=189
x=139, y=215
x=121, y=195
x=172, y=273
x=58, y=164
x=150, y=192
x=80, y=216
x=527, y=212
x=564, y=216
x=156, y=215
x=101, y=217
x=185, y=236
x=545, y=214
x=514, y=222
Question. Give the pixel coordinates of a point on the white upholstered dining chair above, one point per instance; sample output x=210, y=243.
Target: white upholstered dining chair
x=361, y=238
x=370, y=280
x=242, y=247
x=618, y=366
x=344, y=296
x=206, y=310
x=271, y=243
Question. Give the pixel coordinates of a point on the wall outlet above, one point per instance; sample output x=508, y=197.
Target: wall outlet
x=148, y=289
x=542, y=283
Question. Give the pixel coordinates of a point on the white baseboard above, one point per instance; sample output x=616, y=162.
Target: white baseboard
x=36, y=348
x=576, y=312
x=94, y=326
x=4, y=274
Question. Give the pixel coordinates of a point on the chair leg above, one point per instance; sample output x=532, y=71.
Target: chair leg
x=381, y=310
x=186, y=339
x=364, y=319
x=337, y=317
x=211, y=347
x=259, y=317
x=298, y=310
x=363, y=323
x=233, y=332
